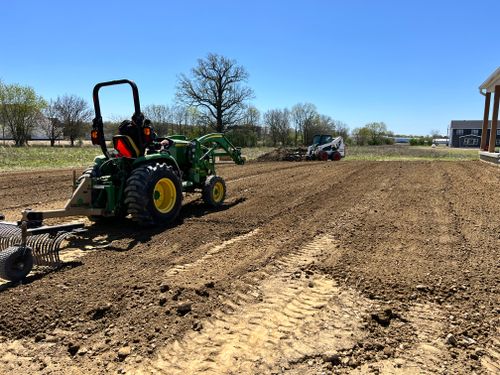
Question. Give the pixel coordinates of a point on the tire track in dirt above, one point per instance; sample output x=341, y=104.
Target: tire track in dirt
x=394, y=217
x=491, y=358
x=275, y=226
x=280, y=323
x=211, y=251
x=263, y=173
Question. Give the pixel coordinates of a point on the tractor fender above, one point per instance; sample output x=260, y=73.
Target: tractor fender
x=158, y=158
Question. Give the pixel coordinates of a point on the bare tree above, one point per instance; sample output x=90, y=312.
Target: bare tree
x=341, y=129
x=20, y=108
x=4, y=127
x=50, y=125
x=2, y=121
x=73, y=112
x=304, y=116
x=373, y=133
x=251, y=117
x=435, y=133
x=278, y=121
x=215, y=88
x=247, y=132
x=377, y=133
x=160, y=115
x=360, y=136
x=192, y=118
x=326, y=124
x=180, y=118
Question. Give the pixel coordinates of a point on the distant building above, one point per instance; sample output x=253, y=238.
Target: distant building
x=37, y=134
x=401, y=140
x=441, y=141
x=467, y=133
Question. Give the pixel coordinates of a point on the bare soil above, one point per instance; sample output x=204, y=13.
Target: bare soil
x=309, y=268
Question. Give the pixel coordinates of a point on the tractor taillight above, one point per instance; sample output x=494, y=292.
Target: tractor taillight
x=147, y=134
x=94, y=135
x=122, y=148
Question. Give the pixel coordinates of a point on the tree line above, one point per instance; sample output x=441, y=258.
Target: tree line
x=212, y=97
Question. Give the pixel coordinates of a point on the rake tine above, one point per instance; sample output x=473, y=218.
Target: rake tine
x=45, y=246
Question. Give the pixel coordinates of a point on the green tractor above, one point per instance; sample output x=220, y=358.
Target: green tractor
x=143, y=176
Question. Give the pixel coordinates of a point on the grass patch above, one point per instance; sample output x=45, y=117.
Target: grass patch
x=45, y=157
x=405, y=152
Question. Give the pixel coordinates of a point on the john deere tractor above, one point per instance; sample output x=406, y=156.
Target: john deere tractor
x=142, y=176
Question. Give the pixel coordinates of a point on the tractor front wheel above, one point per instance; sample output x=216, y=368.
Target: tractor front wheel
x=16, y=262
x=153, y=194
x=214, y=191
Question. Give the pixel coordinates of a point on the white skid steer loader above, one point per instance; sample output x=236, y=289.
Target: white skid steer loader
x=325, y=147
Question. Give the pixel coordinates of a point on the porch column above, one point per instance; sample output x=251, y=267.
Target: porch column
x=494, y=120
x=484, y=133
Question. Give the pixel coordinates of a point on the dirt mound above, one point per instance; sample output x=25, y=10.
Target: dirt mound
x=367, y=267
x=284, y=154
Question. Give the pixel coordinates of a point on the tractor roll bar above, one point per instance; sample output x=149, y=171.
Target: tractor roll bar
x=137, y=117
x=135, y=93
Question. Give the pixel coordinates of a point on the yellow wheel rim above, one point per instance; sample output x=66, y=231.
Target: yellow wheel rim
x=218, y=192
x=164, y=195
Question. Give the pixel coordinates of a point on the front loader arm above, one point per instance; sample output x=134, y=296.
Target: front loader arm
x=216, y=141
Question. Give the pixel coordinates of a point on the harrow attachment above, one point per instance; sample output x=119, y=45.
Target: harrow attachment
x=22, y=247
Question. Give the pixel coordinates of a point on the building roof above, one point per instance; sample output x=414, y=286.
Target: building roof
x=490, y=83
x=467, y=124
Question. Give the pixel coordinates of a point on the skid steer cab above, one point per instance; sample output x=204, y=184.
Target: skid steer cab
x=140, y=176
x=325, y=147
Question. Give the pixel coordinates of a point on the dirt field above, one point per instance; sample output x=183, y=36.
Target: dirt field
x=310, y=268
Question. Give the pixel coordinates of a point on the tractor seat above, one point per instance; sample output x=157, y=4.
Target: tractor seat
x=126, y=146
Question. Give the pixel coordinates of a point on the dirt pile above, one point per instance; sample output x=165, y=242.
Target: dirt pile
x=362, y=267
x=284, y=154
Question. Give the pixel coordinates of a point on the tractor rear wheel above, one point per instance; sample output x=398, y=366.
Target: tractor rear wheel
x=16, y=262
x=153, y=194
x=214, y=191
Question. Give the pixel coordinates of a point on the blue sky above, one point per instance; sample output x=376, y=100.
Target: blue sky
x=415, y=65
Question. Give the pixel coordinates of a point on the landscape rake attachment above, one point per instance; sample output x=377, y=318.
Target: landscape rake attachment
x=142, y=177
x=22, y=247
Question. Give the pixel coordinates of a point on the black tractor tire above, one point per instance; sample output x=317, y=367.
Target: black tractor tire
x=153, y=194
x=16, y=262
x=214, y=191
